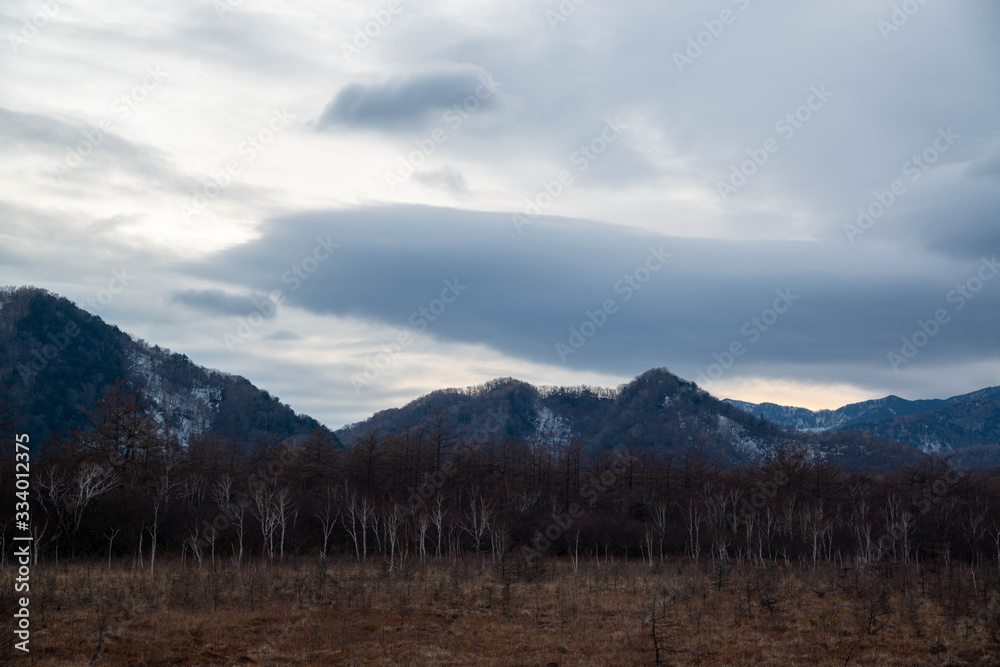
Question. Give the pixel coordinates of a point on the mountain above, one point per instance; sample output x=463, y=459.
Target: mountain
x=967, y=426
x=657, y=409
x=56, y=360
x=866, y=412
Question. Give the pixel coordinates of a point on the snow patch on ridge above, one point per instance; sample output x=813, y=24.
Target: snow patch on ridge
x=929, y=445
x=551, y=430
x=190, y=411
x=734, y=435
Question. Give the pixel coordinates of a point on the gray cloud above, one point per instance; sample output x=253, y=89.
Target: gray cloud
x=526, y=291
x=407, y=103
x=987, y=167
x=81, y=153
x=20, y=129
x=282, y=335
x=218, y=302
x=446, y=178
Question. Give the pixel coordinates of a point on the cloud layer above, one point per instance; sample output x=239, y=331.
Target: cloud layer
x=831, y=172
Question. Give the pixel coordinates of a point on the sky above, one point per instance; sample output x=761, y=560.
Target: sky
x=355, y=203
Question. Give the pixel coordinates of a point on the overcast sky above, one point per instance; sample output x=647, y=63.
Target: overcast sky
x=355, y=203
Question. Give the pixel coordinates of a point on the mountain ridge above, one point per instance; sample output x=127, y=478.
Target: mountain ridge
x=967, y=425
x=657, y=410
x=57, y=360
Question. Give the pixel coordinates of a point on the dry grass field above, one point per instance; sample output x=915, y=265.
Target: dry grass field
x=607, y=612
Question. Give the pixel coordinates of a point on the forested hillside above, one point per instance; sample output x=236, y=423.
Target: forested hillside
x=56, y=360
x=657, y=410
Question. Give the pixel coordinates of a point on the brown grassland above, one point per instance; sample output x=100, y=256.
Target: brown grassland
x=471, y=611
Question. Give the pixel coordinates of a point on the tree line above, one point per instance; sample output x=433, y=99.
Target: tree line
x=125, y=487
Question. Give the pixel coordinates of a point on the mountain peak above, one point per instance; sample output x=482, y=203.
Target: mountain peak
x=57, y=360
x=656, y=410
x=967, y=426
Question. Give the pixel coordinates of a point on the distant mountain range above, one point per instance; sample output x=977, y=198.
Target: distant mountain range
x=967, y=426
x=56, y=360
x=866, y=412
x=656, y=410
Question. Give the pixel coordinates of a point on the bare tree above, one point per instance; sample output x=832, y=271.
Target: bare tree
x=193, y=487
x=359, y=517
x=897, y=525
x=352, y=519
x=694, y=529
x=437, y=518
x=575, y=552
x=69, y=499
x=164, y=487
x=860, y=521
x=975, y=521
x=197, y=547
x=329, y=515
x=501, y=543
x=222, y=492
x=111, y=535
x=393, y=521
x=734, y=499
x=423, y=525
x=816, y=524
x=367, y=515
x=124, y=428
x=284, y=511
x=650, y=534
x=263, y=509
x=478, y=519
x=235, y=508
x=661, y=631
x=995, y=534
x=660, y=523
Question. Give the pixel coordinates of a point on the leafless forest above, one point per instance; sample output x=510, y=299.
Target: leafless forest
x=430, y=546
